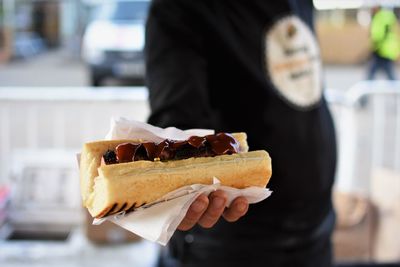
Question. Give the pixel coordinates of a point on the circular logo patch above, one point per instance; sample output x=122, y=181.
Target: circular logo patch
x=292, y=61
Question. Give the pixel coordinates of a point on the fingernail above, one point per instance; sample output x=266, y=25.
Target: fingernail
x=218, y=202
x=241, y=207
x=198, y=206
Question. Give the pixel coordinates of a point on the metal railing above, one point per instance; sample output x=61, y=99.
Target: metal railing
x=367, y=118
x=41, y=130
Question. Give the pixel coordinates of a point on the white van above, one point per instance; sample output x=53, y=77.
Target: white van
x=114, y=40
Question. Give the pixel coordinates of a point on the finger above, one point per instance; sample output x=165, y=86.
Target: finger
x=214, y=210
x=194, y=213
x=237, y=209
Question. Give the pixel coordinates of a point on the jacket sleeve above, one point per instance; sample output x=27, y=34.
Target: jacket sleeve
x=176, y=66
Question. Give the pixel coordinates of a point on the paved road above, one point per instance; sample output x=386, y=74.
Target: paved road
x=55, y=68
x=58, y=68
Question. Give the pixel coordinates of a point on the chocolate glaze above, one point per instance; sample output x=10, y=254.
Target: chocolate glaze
x=110, y=157
x=222, y=143
x=196, y=141
x=195, y=146
x=126, y=152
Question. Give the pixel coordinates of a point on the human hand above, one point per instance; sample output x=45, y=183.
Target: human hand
x=206, y=211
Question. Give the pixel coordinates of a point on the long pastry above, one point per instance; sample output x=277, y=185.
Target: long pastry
x=121, y=175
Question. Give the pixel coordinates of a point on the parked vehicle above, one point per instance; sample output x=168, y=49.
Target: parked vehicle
x=114, y=40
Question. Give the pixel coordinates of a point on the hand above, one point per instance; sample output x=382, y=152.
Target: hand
x=206, y=211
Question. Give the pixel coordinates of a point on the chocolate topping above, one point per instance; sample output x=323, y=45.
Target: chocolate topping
x=110, y=157
x=151, y=150
x=164, y=151
x=224, y=144
x=176, y=144
x=126, y=152
x=195, y=146
x=196, y=141
x=140, y=153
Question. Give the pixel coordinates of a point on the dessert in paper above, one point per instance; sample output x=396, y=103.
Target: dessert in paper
x=141, y=165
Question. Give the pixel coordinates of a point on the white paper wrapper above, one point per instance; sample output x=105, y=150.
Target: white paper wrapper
x=122, y=128
x=158, y=221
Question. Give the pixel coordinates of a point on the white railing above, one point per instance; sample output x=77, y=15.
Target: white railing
x=61, y=118
x=367, y=118
x=41, y=130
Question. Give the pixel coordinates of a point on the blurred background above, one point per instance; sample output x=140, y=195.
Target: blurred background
x=67, y=66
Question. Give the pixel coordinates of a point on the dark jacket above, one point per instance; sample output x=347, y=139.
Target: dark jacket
x=249, y=66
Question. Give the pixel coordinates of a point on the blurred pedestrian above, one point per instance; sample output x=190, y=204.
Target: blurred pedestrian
x=385, y=43
x=251, y=66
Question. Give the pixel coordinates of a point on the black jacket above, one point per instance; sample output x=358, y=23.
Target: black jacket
x=233, y=66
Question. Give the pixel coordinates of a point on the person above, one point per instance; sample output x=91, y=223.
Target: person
x=248, y=66
x=385, y=43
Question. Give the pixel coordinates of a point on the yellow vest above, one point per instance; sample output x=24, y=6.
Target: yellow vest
x=386, y=42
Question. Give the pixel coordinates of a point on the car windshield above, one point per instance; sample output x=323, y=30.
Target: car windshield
x=123, y=10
